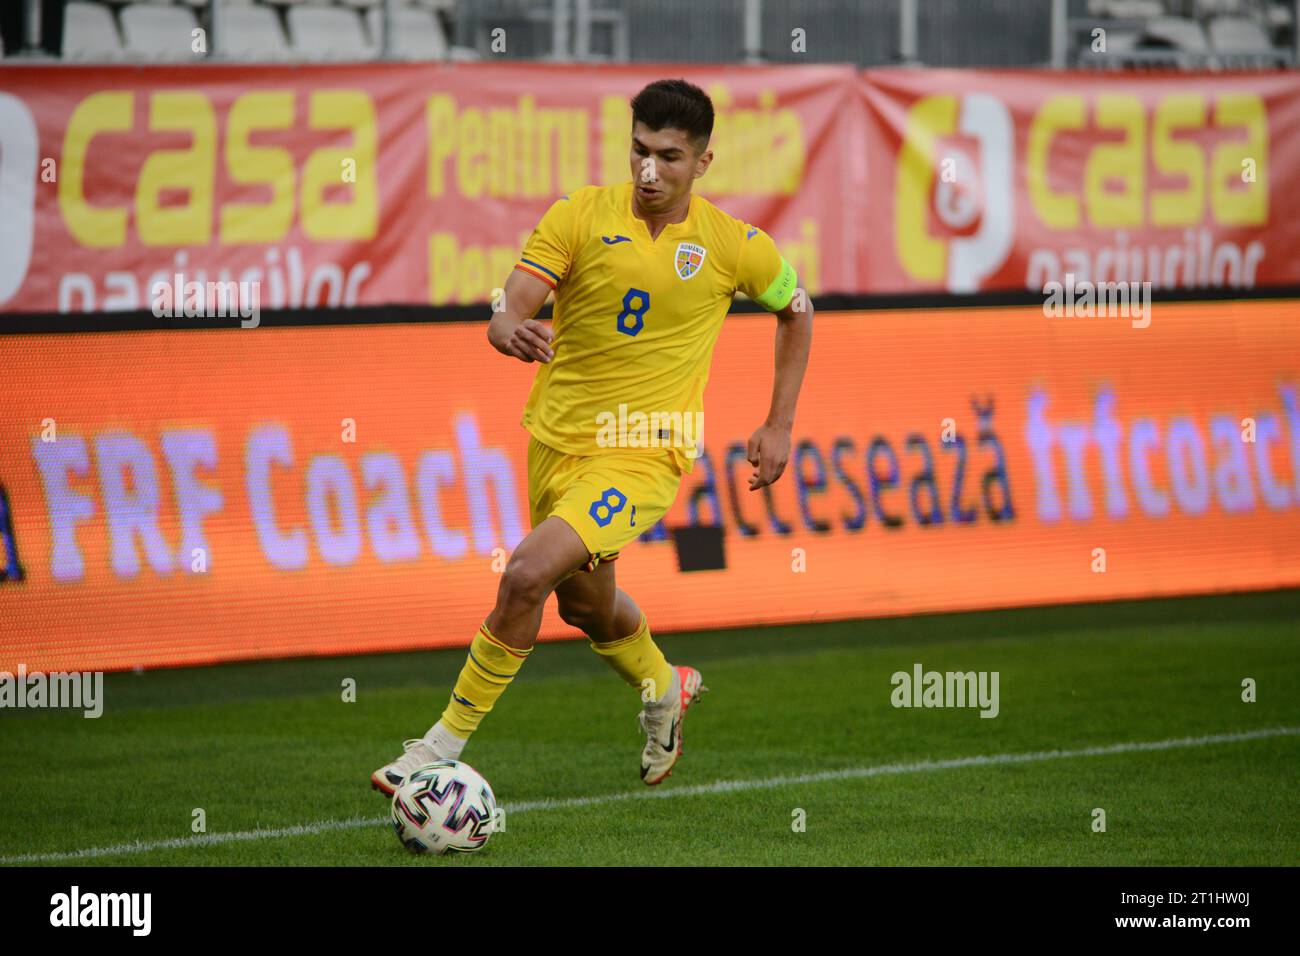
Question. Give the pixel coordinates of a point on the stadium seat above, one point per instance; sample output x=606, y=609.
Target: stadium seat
x=1119, y=42
x=1126, y=9
x=89, y=34
x=1175, y=33
x=1238, y=35
x=328, y=34
x=159, y=33
x=418, y=34
x=253, y=33
x=1279, y=17
x=1205, y=9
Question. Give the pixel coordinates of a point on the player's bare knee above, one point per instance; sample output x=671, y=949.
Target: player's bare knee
x=525, y=582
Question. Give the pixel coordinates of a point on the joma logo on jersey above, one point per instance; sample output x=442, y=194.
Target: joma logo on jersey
x=689, y=259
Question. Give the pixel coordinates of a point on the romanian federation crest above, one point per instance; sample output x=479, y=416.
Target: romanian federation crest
x=689, y=259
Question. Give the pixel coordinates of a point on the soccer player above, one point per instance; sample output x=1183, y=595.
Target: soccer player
x=643, y=274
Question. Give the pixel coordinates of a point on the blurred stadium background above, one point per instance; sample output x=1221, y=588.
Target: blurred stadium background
x=341, y=484
x=942, y=33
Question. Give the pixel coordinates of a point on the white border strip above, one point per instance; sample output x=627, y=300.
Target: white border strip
x=720, y=786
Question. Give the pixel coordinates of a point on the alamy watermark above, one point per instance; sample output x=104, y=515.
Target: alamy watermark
x=922, y=688
x=77, y=690
x=1085, y=299
x=190, y=298
x=75, y=908
x=637, y=429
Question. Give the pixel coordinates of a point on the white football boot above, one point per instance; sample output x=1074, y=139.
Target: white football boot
x=662, y=724
x=391, y=776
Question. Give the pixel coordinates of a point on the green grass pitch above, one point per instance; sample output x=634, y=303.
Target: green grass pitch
x=279, y=763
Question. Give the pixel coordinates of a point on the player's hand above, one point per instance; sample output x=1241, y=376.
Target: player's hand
x=530, y=342
x=768, y=452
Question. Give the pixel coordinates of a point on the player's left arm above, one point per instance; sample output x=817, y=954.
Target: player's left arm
x=769, y=446
x=766, y=277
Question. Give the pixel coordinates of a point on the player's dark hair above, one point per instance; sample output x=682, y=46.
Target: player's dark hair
x=676, y=104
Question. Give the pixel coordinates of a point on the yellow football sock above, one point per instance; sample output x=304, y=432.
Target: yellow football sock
x=488, y=671
x=637, y=659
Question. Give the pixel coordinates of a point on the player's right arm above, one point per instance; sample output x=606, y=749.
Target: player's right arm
x=545, y=262
x=514, y=331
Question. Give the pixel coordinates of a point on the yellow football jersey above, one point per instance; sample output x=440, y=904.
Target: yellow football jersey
x=636, y=320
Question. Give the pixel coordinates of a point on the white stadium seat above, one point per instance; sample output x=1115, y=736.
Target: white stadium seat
x=328, y=34
x=1212, y=8
x=1178, y=33
x=253, y=33
x=159, y=34
x=1238, y=35
x=1119, y=41
x=1278, y=18
x=1126, y=9
x=417, y=34
x=89, y=34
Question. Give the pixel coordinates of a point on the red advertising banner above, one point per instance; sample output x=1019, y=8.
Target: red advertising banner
x=986, y=180
x=373, y=184
x=344, y=185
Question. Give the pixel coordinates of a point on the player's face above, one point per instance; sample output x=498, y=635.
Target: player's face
x=664, y=165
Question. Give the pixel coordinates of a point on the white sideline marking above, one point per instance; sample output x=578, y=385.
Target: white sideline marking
x=720, y=786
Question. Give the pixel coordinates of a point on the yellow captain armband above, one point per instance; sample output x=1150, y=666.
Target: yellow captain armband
x=778, y=295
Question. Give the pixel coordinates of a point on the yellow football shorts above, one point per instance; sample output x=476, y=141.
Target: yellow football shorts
x=609, y=499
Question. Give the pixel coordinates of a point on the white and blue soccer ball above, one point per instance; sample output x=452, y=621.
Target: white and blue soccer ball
x=444, y=807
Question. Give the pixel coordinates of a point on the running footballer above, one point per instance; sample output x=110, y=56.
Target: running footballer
x=643, y=274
